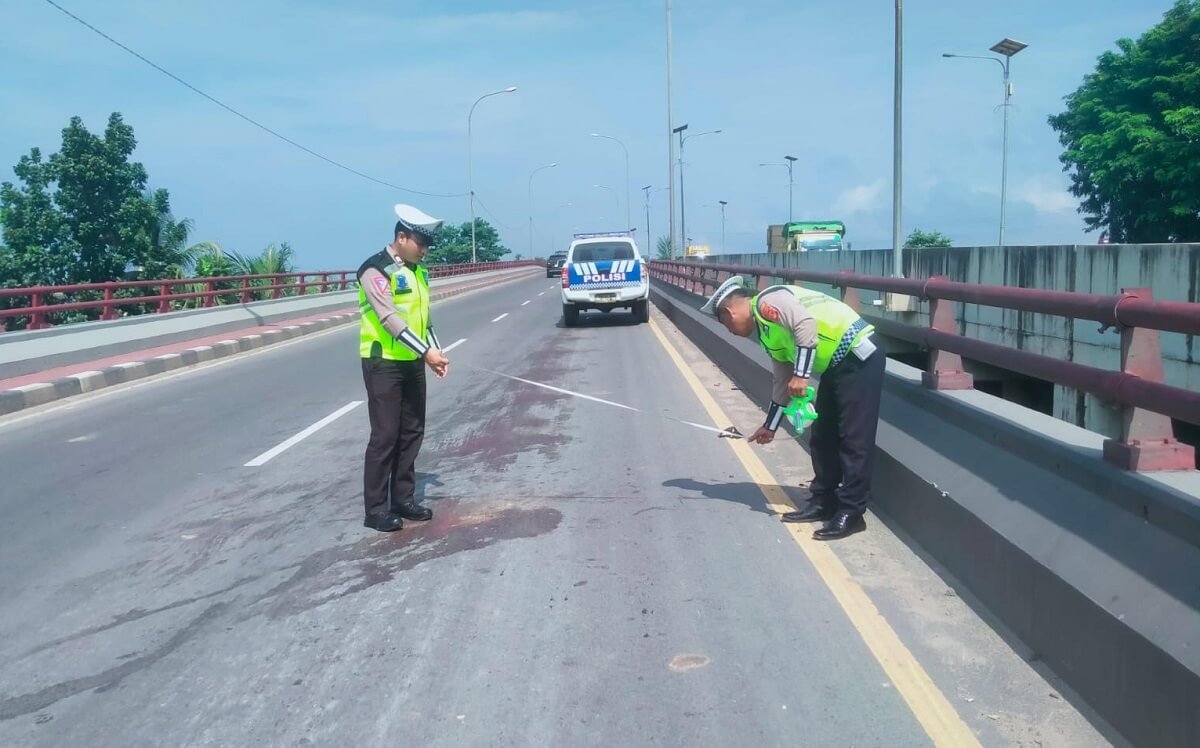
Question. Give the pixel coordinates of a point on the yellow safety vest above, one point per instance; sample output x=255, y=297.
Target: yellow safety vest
x=839, y=328
x=410, y=296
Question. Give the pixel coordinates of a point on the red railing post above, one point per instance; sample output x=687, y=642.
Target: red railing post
x=164, y=304
x=1147, y=439
x=945, y=368
x=209, y=297
x=245, y=291
x=324, y=282
x=276, y=282
x=37, y=320
x=850, y=295
x=110, y=309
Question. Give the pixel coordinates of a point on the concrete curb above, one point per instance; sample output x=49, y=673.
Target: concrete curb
x=42, y=393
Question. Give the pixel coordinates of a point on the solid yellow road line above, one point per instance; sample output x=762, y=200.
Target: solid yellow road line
x=928, y=704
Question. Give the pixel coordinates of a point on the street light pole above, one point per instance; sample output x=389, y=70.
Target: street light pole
x=628, y=219
x=682, y=214
x=898, y=143
x=723, y=204
x=1007, y=48
x=790, y=160
x=649, y=239
x=535, y=171
x=470, y=168
x=670, y=131
x=682, y=221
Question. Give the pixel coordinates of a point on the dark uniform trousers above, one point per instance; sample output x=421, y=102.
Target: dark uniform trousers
x=396, y=405
x=843, y=436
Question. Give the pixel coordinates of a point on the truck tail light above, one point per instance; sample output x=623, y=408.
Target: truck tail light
x=566, y=282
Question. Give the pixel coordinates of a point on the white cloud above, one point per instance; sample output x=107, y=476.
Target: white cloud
x=864, y=197
x=1047, y=196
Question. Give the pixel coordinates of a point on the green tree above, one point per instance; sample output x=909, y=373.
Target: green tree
x=919, y=238
x=452, y=244
x=34, y=230
x=84, y=215
x=1131, y=134
x=271, y=261
x=663, y=248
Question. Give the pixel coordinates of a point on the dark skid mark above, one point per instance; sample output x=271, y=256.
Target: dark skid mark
x=137, y=614
x=18, y=706
x=346, y=570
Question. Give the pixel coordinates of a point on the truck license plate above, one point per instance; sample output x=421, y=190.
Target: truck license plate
x=605, y=296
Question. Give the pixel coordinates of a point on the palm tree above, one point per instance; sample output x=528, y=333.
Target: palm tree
x=274, y=260
x=664, y=248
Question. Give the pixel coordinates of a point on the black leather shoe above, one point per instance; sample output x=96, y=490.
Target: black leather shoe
x=814, y=512
x=843, y=524
x=383, y=522
x=414, y=511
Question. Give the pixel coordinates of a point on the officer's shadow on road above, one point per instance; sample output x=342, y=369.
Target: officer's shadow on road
x=747, y=494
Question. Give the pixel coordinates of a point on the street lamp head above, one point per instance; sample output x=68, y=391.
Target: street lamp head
x=646, y=187
x=1008, y=47
x=947, y=54
x=510, y=89
x=681, y=128
x=723, y=202
x=552, y=164
x=791, y=158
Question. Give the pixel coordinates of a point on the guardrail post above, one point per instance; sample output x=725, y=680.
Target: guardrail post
x=245, y=291
x=276, y=286
x=324, y=282
x=37, y=320
x=164, y=304
x=1147, y=440
x=850, y=295
x=945, y=368
x=209, y=298
x=110, y=311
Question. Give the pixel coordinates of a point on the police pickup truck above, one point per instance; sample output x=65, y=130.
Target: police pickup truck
x=604, y=271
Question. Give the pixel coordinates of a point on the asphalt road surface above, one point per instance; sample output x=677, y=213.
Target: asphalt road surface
x=184, y=564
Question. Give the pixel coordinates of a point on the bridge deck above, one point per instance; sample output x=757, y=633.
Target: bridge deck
x=591, y=576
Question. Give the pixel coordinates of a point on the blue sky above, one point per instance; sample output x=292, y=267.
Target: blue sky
x=385, y=87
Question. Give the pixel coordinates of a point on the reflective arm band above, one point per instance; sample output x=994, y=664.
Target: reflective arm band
x=410, y=339
x=433, y=340
x=804, y=362
x=774, y=417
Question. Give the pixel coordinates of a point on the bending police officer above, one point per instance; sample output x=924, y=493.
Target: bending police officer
x=396, y=342
x=809, y=333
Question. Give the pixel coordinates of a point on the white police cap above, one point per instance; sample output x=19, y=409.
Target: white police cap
x=732, y=284
x=417, y=220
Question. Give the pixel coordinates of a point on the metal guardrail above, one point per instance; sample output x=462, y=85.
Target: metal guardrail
x=246, y=288
x=1147, y=440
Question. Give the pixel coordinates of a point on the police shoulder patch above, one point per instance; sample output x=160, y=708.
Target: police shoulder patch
x=381, y=283
x=768, y=311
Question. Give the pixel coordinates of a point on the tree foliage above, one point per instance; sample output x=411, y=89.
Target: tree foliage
x=1131, y=134
x=452, y=244
x=663, y=248
x=85, y=215
x=919, y=238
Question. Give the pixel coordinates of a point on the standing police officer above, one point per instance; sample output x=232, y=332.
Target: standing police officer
x=807, y=332
x=396, y=342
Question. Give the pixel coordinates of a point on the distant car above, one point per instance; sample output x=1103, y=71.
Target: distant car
x=554, y=264
x=605, y=272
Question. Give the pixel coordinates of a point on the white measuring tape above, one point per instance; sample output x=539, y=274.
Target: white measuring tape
x=725, y=433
